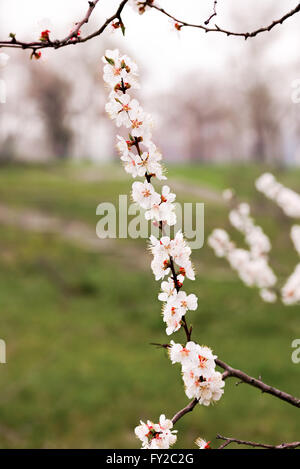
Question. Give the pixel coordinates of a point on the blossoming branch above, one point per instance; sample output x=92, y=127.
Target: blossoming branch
x=171, y=257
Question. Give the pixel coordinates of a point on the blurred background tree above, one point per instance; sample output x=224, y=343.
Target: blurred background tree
x=52, y=94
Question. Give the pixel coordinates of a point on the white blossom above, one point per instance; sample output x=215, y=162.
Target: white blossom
x=200, y=378
x=176, y=307
x=202, y=444
x=162, y=208
x=143, y=193
x=168, y=290
x=268, y=296
x=156, y=435
x=287, y=199
x=118, y=109
x=228, y=194
x=291, y=290
x=118, y=70
x=220, y=242
x=295, y=235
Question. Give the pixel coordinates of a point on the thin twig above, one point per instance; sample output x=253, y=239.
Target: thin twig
x=245, y=35
x=72, y=38
x=74, y=32
x=213, y=14
x=185, y=410
x=228, y=441
x=257, y=383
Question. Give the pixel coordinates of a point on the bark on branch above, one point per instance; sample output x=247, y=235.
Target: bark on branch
x=217, y=29
x=257, y=383
x=73, y=38
x=228, y=441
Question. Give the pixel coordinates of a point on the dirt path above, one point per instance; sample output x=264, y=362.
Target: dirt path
x=203, y=193
x=84, y=236
x=184, y=187
x=76, y=232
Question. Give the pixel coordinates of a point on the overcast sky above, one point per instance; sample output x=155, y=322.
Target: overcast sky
x=156, y=47
x=163, y=57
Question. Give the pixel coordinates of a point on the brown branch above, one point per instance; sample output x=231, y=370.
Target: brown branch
x=72, y=38
x=213, y=14
x=245, y=35
x=232, y=372
x=74, y=32
x=228, y=441
x=244, y=378
x=188, y=331
x=185, y=410
x=257, y=383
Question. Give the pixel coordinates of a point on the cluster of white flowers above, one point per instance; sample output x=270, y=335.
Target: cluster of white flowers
x=287, y=199
x=141, y=158
x=167, y=254
x=159, y=207
x=251, y=265
x=200, y=378
x=156, y=435
x=171, y=257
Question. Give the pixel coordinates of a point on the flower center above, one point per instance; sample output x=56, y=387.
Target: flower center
x=136, y=123
x=117, y=71
x=202, y=361
x=146, y=193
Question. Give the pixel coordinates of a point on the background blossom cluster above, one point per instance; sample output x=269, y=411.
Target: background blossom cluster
x=289, y=201
x=251, y=265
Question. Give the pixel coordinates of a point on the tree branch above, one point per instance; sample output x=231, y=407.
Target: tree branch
x=232, y=372
x=72, y=38
x=213, y=14
x=85, y=20
x=228, y=441
x=245, y=35
x=185, y=410
x=257, y=383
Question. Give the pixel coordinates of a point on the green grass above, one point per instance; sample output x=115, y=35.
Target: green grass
x=80, y=370
x=240, y=177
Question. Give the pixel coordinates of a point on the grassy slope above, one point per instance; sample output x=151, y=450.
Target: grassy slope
x=80, y=372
